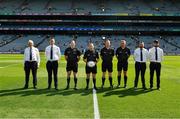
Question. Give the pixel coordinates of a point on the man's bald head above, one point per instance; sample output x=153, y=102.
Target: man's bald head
x=73, y=44
x=107, y=43
x=123, y=43
x=91, y=46
x=30, y=43
x=52, y=41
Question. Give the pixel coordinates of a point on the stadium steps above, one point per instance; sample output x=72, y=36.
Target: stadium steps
x=172, y=44
x=44, y=38
x=11, y=40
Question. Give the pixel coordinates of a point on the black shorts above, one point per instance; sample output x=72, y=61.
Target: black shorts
x=91, y=69
x=107, y=67
x=122, y=66
x=72, y=67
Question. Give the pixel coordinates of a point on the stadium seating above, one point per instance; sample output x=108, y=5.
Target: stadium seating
x=170, y=44
x=135, y=7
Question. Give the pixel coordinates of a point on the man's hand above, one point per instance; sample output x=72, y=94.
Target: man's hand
x=38, y=65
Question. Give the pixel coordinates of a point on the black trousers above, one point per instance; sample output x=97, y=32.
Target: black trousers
x=52, y=68
x=140, y=68
x=30, y=66
x=155, y=67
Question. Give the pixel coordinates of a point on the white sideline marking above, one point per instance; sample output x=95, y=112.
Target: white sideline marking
x=96, y=108
x=8, y=65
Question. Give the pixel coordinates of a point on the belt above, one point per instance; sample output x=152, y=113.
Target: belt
x=156, y=62
x=31, y=61
x=52, y=60
x=141, y=62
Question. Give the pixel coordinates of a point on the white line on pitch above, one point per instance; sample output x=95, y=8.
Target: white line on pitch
x=96, y=108
x=8, y=65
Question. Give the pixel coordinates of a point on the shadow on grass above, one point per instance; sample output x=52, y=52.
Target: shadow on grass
x=52, y=92
x=47, y=92
x=126, y=92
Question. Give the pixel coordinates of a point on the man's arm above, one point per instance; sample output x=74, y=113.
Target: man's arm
x=24, y=55
x=85, y=57
x=38, y=57
x=129, y=53
x=65, y=55
x=59, y=53
x=116, y=53
x=79, y=56
x=97, y=57
x=147, y=55
x=162, y=54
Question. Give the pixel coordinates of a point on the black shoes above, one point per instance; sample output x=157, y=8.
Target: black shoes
x=145, y=88
x=111, y=87
x=67, y=87
x=102, y=86
x=118, y=86
x=125, y=87
x=49, y=87
x=159, y=89
x=86, y=88
x=75, y=88
x=95, y=88
x=25, y=87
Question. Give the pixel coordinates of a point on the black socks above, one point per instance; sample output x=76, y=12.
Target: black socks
x=75, y=82
x=125, y=81
x=68, y=81
x=103, y=81
x=110, y=81
x=87, y=83
x=94, y=82
x=119, y=80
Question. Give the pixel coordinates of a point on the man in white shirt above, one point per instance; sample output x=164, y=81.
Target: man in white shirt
x=53, y=55
x=140, y=57
x=155, y=56
x=31, y=62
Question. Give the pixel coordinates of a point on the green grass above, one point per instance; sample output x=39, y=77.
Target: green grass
x=116, y=103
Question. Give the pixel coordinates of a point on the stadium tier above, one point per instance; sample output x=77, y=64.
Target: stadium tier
x=136, y=20
x=170, y=44
x=116, y=7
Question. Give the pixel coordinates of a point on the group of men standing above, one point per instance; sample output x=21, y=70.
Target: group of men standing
x=73, y=55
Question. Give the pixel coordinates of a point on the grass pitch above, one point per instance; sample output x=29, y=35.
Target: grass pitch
x=113, y=103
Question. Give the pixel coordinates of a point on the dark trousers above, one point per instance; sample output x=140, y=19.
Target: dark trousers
x=28, y=66
x=52, y=68
x=140, y=67
x=155, y=67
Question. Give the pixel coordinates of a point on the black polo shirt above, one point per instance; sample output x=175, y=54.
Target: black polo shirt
x=72, y=55
x=107, y=55
x=91, y=55
x=123, y=54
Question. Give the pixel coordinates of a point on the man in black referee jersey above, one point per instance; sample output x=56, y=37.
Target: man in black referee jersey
x=107, y=55
x=122, y=54
x=72, y=56
x=91, y=55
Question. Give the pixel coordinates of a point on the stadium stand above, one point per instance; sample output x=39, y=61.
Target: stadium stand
x=136, y=20
x=137, y=7
x=169, y=44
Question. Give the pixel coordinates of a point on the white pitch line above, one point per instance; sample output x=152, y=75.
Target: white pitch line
x=96, y=108
x=8, y=65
